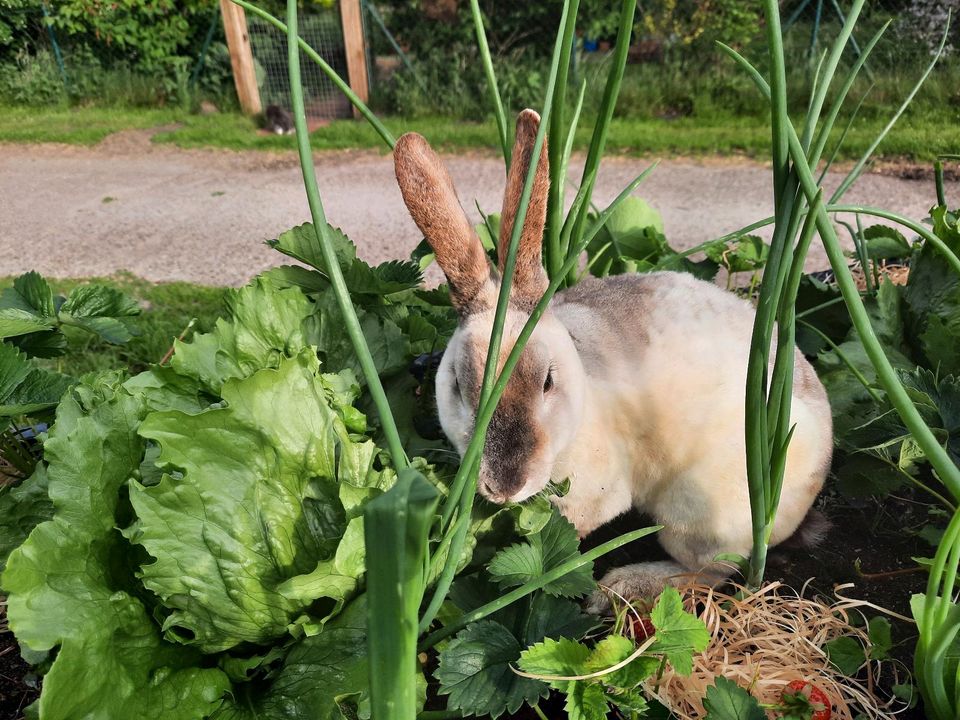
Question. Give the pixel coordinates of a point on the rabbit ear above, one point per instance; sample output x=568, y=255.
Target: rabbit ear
x=529, y=280
x=430, y=197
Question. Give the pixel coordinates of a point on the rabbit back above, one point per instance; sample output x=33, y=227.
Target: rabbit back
x=665, y=357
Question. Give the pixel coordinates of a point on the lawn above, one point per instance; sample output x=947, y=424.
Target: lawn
x=919, y=136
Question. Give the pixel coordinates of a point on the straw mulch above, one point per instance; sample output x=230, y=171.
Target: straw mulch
x=764, y=640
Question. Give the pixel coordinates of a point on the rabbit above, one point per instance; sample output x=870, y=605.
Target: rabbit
x=278, y=120
x=631, y=386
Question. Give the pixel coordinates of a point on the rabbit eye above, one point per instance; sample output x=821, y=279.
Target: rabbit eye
x=548, y=383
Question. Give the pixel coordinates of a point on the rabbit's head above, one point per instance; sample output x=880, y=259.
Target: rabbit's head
x=540, y=410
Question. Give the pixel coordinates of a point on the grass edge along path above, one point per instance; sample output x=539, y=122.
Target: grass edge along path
x=919, y=138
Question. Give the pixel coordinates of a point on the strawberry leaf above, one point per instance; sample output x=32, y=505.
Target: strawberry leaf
x=540, y=553
x=726, y=700
x=679, y=634
x=475, y=673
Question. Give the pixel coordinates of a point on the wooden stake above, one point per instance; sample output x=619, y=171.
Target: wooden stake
x=355, y=49
x=241, y=57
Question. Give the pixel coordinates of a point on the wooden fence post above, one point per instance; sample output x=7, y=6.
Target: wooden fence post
x=241, y=57
x=355, y=49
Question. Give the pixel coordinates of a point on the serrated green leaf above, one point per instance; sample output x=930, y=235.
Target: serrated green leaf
x=35, y=293
x=678, y=633
x=725, y=700
x=541, y=552
x=301, y=242
x=629, y=701
x=43, y=344
x=391, y=277
x=886, y=243
x=614, y=649
x=27, y=306
x=102, y=310
x=25, y=389
x=474, y=671
x=744, y=254
x=586, y=701
x=555, y=658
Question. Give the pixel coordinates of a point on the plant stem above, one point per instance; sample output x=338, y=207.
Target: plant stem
x=499, y=113
x=575, y=220
x=350, y=320
x=552, y=256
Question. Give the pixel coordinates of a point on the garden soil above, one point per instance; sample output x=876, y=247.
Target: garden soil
x=165, y=213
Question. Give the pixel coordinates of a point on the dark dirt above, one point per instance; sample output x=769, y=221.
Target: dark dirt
x=17, y=686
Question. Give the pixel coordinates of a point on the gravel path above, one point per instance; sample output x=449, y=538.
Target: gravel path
x=169, y=214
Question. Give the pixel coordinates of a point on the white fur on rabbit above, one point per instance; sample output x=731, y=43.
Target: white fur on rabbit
x=631, y=386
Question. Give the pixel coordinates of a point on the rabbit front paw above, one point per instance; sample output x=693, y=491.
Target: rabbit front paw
x=632, y=582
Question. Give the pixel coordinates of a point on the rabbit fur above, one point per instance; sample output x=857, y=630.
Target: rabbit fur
x=631, y=386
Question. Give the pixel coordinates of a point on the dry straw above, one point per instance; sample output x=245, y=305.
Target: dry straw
x=766, y=639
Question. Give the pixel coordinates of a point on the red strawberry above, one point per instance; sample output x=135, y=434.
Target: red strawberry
x=802, y=700
x=640, y=628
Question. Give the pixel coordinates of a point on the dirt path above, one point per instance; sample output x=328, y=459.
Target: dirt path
x=169, y=214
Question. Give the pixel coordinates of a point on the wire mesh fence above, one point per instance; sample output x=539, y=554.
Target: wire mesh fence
x=321, y=27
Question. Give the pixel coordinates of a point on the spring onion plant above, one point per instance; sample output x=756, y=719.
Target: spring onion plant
x=412, y=513
x=938, y=621
x=799, y=211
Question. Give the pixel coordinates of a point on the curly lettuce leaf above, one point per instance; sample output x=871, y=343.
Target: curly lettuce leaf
x=246, y=525
x=70, y=586
x=264, y=324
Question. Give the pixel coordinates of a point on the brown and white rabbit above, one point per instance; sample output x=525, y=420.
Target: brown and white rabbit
x=631, y=386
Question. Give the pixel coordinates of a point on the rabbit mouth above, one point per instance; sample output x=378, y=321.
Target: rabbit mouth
x=499, y=495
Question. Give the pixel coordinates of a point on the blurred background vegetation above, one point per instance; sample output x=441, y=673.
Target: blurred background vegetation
x=144, y=54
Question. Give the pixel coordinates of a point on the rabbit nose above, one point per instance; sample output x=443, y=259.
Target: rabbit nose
x=489, y=490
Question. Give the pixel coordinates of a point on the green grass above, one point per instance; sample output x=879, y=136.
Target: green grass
x=920, y=135
x=167, y=309
x=917, y=136
x=76, y=126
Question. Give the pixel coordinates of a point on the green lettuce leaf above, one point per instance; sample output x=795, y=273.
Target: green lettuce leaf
x=70, y=585
x=254, y=503
x=263, y=324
